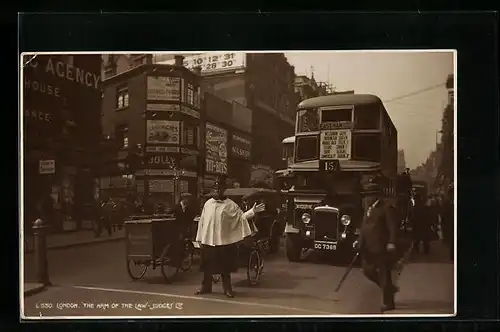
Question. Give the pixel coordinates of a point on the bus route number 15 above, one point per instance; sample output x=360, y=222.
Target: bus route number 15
x=331, y=165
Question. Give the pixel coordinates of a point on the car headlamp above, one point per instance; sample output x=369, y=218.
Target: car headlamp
x=306, y=218
x=346, y=220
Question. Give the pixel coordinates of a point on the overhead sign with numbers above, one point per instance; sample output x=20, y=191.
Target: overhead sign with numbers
x=335, y=144
x=216, y=62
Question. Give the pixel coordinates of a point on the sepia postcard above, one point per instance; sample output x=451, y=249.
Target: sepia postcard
x=238, y=184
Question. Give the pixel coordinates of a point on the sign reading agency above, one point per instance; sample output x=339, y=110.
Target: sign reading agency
x=335, y=145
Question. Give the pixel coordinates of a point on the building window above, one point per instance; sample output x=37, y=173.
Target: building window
x=122, y=97
x=122, y=136
x=190, y=135
x=190, y=94
x=193, y=95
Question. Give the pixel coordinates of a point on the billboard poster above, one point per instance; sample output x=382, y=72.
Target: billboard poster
x=241, y=147
x=335, y=145
x=214, y=62
x=164, y=88
x=163, y=132
x=161, y=186
x=216, y=149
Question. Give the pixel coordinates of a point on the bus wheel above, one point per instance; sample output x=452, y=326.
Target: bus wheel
x=293, y=247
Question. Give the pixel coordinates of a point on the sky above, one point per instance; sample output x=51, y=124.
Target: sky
x=390, y=75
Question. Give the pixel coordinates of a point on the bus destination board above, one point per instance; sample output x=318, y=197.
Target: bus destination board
x=335, y=145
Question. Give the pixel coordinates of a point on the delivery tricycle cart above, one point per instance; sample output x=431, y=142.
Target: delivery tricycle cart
x=155, y=241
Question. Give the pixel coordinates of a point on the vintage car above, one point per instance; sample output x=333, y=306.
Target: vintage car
x=315, y=223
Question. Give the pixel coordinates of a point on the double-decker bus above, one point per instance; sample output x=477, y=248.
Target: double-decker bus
x=341, y=142
x=288, y=149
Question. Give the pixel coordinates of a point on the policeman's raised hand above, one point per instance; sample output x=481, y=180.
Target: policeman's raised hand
x=391, y=247
x=258, y=208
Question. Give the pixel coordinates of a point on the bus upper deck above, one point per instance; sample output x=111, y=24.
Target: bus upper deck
x=354, y=129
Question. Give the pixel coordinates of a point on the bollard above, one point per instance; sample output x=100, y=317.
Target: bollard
x=40, y=237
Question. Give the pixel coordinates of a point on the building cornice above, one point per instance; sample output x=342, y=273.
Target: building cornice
x=159, y=70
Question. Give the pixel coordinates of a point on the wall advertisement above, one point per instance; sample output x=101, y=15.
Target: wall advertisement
x=216, y=149
x=161, y=186
x=214, y=62
x=241, y=147
x=163, y=132
x=164, y=88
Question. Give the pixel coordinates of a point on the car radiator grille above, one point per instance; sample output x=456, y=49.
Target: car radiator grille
x=325, y=225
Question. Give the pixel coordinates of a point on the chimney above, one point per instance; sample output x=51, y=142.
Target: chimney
x=110, y=66
x=179, y=60
x=197, y=70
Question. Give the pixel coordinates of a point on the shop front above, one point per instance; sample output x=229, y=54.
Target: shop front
x=60, y=123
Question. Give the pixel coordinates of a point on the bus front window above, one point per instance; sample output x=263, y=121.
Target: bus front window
x=307, y=121
x=287, y=151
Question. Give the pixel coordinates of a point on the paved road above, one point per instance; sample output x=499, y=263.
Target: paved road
x=97, y=274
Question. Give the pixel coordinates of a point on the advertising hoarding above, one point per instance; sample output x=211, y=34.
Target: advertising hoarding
x=161, y=186
x=216, y=149
x=163, y=132
x=213, y=62
x=164, y=88
x=241, y=147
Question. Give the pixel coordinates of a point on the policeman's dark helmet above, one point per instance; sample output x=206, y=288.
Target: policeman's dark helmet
x=221, y=180
x=220, y=185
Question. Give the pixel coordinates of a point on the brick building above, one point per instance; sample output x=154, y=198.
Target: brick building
x=152, y=115
x=260, y=90
x=235, y=157
x=61, y=128
x=306, y=87
x=263, y=83
x=401, y=161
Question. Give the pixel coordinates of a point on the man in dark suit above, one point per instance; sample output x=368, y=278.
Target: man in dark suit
x=377, y=242
x=422, y=225
x=185, y=212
